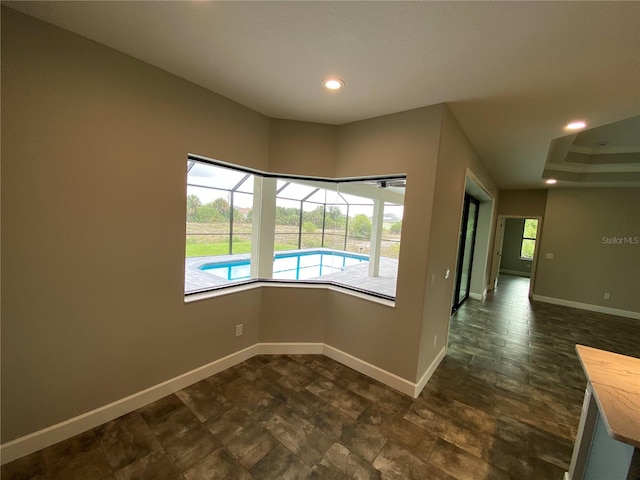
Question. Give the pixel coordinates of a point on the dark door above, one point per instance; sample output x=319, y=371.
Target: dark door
x=465, y=254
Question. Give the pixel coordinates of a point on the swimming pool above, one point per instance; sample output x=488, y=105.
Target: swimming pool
x=299, y=265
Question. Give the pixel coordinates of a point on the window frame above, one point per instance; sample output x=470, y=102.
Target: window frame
x=534, y=239
x=197, y=294
x=232, y=191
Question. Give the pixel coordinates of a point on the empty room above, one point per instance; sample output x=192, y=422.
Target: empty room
x=324, y=240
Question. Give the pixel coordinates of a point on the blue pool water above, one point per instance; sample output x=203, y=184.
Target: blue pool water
x=291, y=266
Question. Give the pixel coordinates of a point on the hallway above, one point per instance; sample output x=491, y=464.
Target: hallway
x=515, y=361
x=504, y=404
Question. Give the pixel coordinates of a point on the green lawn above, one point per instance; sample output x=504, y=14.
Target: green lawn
x=222, y=248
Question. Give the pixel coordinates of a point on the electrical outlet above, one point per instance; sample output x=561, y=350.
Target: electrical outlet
x=238, y=330
x=435, y=340
x=447, y=273
x=607, y=296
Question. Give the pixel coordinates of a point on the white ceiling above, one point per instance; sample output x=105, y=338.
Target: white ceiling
x=606, y=156
x=513, y=73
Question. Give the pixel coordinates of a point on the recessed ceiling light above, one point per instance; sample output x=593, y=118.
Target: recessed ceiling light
x=333, y=83
x=577, y=125
x=551, y=181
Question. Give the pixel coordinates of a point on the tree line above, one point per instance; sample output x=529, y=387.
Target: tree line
x=216, y=211
x=219, y=211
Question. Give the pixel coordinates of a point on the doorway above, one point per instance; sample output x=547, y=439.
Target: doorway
x=466, y=249
x=516, y=249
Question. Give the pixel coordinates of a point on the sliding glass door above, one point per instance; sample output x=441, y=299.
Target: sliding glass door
x=466, y=248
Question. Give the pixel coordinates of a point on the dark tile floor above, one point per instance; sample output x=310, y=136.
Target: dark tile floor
x=504, y=404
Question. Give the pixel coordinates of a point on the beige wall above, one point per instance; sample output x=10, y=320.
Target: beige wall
x=302, y=148
x=94, y=148
x=522, y=203
x=583, y=268
x=455, y=157
x=510, y=261
x=293, y=315
x=406, y=142
x=93, y=212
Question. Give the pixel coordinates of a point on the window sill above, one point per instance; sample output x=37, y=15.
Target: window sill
x=219, y=292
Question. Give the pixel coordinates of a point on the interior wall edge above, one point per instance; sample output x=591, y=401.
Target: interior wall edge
x=457, y=161
x=53, y=434
x=486, y=232
x=426, y=376
x=587, y=306
x=226, y=130
x=66, y=429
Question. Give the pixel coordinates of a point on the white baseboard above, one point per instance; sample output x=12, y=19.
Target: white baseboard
x=427, y=374
x=517, y=273
x=61, y=431
x=390, y=379
x=588, y=306
x=46, y=437
x=289, y=348
x=479, y=296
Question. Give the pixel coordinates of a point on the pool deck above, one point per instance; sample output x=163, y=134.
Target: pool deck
x=355, y=275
